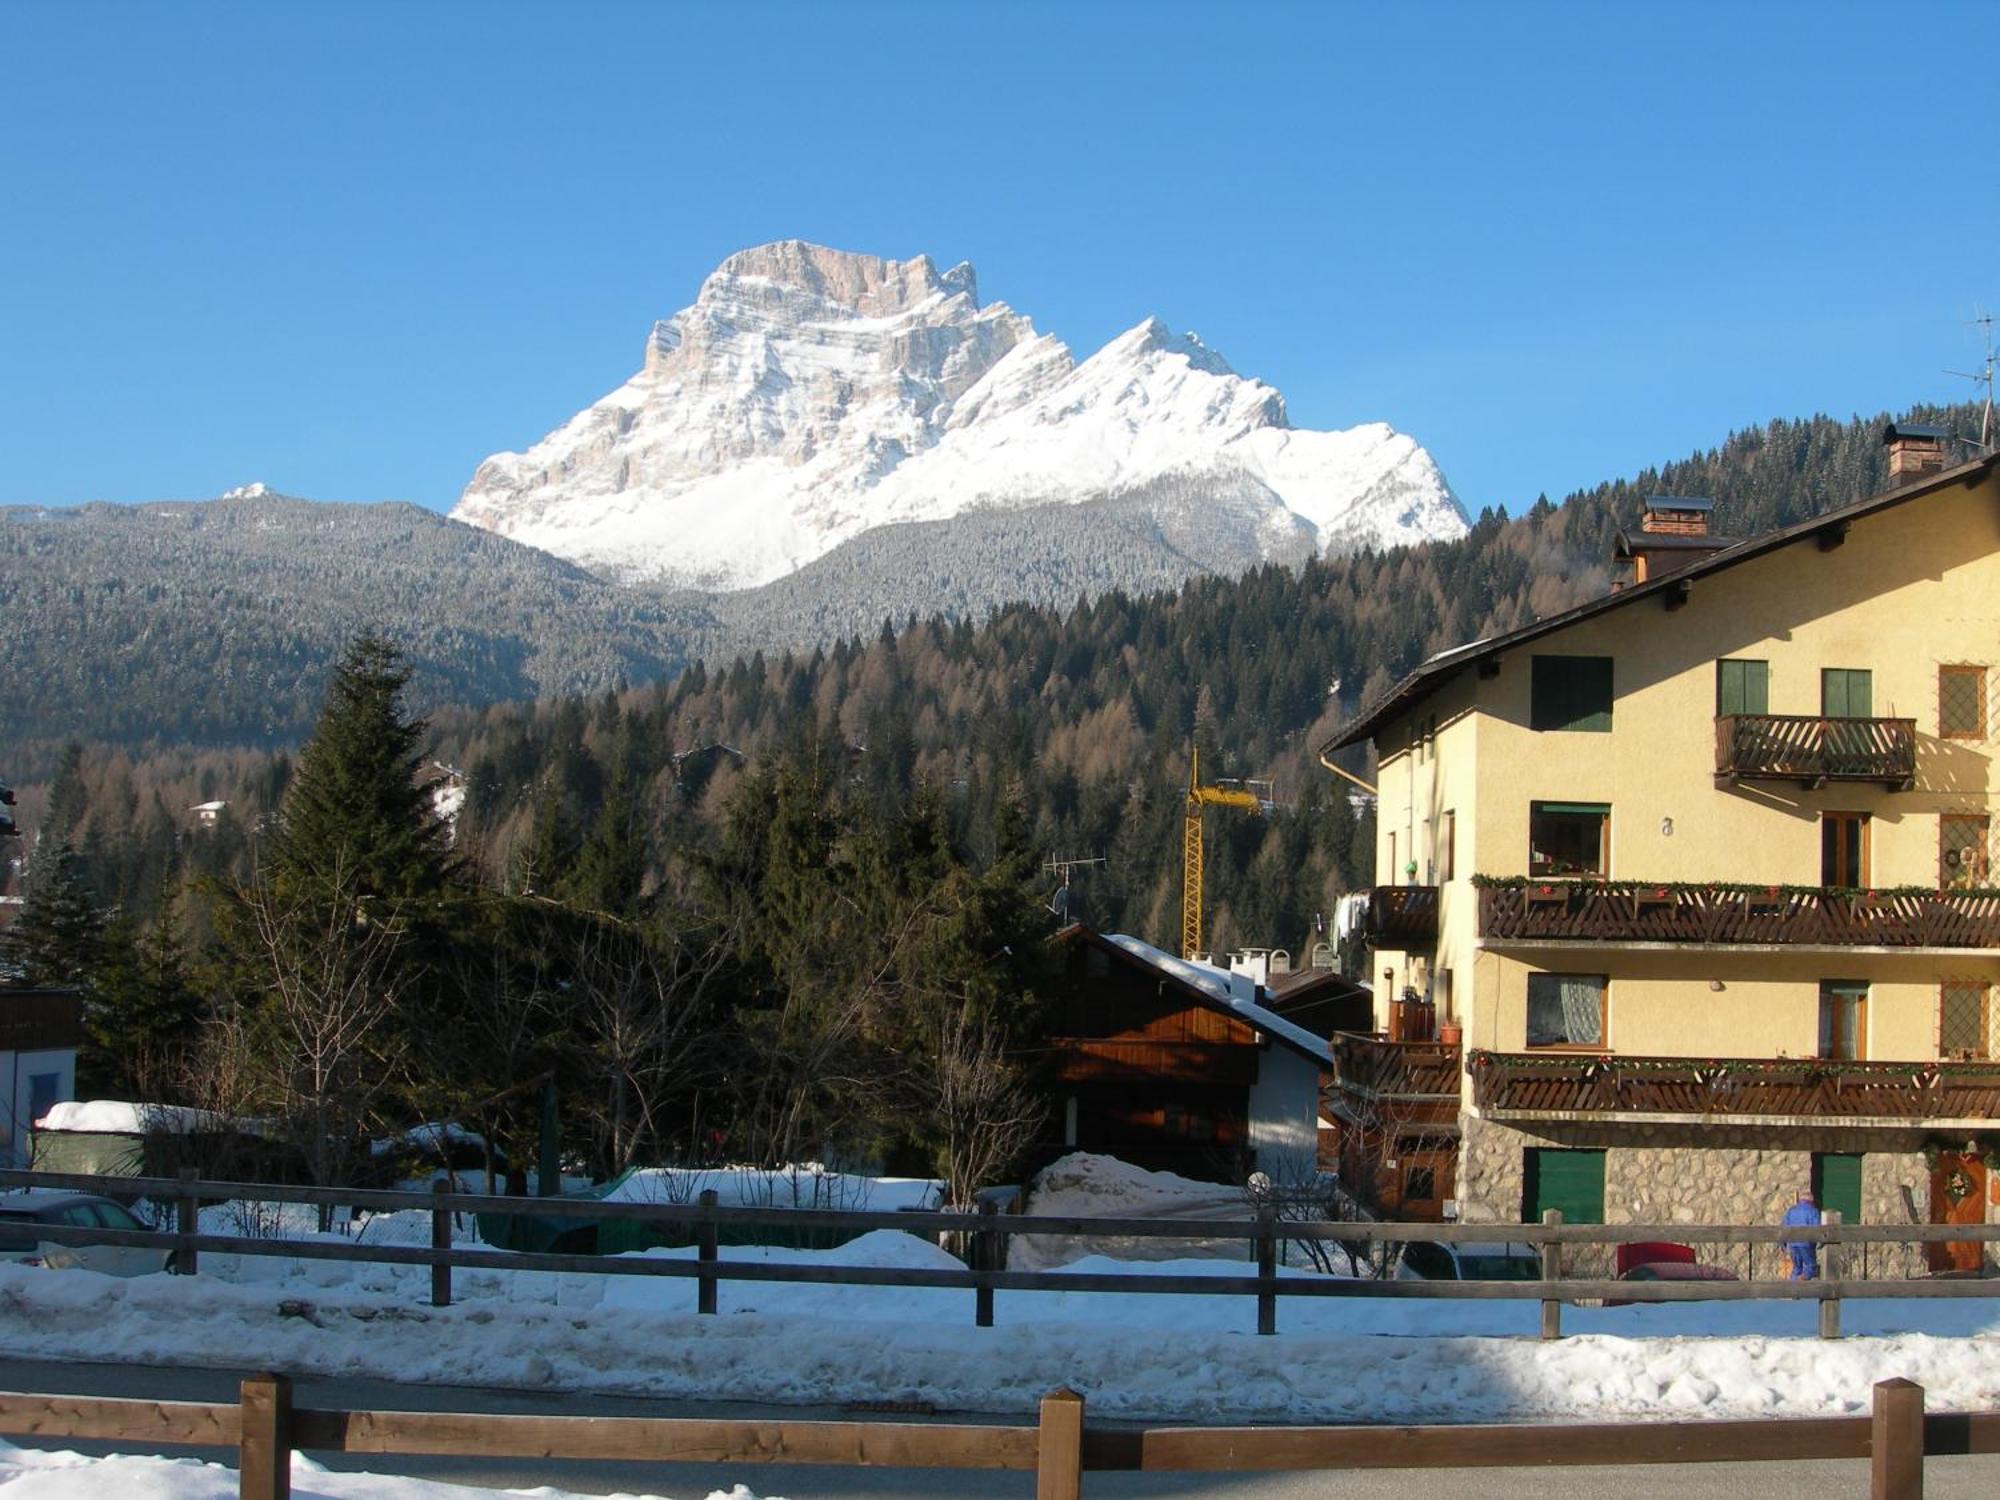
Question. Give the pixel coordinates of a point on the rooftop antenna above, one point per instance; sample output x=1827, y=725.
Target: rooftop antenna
x=1983, y=321
x=1061, y=903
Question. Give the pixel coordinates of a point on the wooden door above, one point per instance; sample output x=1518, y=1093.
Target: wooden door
x=1958, y=1196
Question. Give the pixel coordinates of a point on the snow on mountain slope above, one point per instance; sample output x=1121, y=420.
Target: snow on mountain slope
x=810, y=395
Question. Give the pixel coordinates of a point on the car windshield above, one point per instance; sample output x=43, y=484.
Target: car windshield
x=1498, y=1268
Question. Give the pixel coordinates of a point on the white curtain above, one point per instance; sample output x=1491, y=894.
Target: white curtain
x=1583, y=1009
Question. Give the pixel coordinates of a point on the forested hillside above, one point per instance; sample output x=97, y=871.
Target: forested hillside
x=1079, y=718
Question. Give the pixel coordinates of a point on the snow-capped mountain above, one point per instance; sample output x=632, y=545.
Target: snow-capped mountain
x=810, y=396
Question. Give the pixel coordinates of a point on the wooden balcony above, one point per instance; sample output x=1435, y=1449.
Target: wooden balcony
x=1813, y=751
x=1380, y=1069
x=1403, y=917
x=1572, y=1085
x=1627, y=911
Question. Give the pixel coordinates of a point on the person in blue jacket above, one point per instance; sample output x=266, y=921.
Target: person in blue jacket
x=1805, y=1254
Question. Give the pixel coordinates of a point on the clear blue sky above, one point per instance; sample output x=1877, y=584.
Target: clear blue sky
x=351, y=249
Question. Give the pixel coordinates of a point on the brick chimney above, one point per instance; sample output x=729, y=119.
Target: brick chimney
x=1673, y=532
x=1675, y=515
x=1914, y=452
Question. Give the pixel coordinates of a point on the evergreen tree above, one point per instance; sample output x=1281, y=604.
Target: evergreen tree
x=143, y=1013
x=353, y=808
x=58, y=937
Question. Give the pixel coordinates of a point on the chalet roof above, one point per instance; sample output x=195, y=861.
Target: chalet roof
x=1215, y=989
x=1435, y=673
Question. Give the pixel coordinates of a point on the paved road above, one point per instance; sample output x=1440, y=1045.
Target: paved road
x=1945, y=1479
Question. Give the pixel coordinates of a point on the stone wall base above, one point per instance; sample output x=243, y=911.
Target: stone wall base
x=1700, y=1174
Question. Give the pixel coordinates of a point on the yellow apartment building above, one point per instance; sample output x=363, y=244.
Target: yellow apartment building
x=1700, y=872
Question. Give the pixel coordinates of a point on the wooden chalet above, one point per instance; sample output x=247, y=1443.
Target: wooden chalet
x=1177, y=1066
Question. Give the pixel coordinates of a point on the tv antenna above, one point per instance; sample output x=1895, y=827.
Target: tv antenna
x=1062, y=903
x=1983, y=321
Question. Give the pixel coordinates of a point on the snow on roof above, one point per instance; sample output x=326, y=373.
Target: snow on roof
x=118, y=1117
x=1237, y=991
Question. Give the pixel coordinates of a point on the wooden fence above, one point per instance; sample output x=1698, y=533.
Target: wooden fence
x=986, y=1235
x=266, y=1429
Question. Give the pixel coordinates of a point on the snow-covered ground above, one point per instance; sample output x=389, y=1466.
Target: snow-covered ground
x=1138, y=1355
x=29, y=1474
x=1154, y=1357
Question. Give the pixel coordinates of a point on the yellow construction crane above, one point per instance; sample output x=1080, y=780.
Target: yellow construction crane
x=1225, y=794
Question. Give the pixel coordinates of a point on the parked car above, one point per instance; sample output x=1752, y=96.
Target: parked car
x=22, y=1212
x=1468, y=1260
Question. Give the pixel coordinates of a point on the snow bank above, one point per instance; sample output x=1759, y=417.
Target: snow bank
x=808, y=1185
x=29, y=1474
x=1085, y=1185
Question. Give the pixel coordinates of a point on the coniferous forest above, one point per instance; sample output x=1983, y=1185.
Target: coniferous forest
x=792, y=894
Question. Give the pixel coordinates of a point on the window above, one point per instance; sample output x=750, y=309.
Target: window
x=1566, y=1010
x=1419, y=1184
x=1843, y=850
x=1963, y=851
x=1447, y=852
x=1571, y=1182
x=1568, y=838
x=1962, y=703
x=1394, y=876
x=1742, y=687
x=1836, y=1183
x=1846, y=693
x=1966, y=1019
x=1843, y=1020
x=1570, y=692
x=42, y=1091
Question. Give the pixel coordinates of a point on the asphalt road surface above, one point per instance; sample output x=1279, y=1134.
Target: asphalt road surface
x=1945, y=1478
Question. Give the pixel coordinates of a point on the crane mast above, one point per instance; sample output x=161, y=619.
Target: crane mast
x=1200, y=797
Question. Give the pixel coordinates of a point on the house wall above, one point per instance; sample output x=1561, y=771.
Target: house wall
x=1284, y=1115
x=17, y=1070
x=1429, y=769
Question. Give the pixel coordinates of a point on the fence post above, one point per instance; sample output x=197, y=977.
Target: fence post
x=264, y=1450
x=983, y=1263
x=1896, y=1452
x=704, y=1291
x=187, y=1223
x=1059, y=1455
x=440, y=1240
x=1552, y=1308
x=1267, y=1269
x=1829, y=1301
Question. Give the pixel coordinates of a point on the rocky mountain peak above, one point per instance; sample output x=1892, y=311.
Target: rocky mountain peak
x=866, y=285
x=809, y=396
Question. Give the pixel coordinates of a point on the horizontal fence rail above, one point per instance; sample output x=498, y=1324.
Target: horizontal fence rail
x=987, y=1235
x=267, y=1428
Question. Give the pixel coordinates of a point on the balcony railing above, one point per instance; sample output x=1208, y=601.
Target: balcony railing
x=1403, y=916
x=1395, y=1070
x=1541, y=1085
x=1627, y=911
x=1797, y=747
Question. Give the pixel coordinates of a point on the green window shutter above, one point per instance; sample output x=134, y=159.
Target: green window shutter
x=1846, y=693
x=1570, y=692
x=1729, y=688
x=1571, y=1182
x=1836, y=1179
x=1742, y=687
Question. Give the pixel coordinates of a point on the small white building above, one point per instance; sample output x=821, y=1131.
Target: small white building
x=40, y=1031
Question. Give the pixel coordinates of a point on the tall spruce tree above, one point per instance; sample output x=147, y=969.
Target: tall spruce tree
x=58, y=937
x=354, y=808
